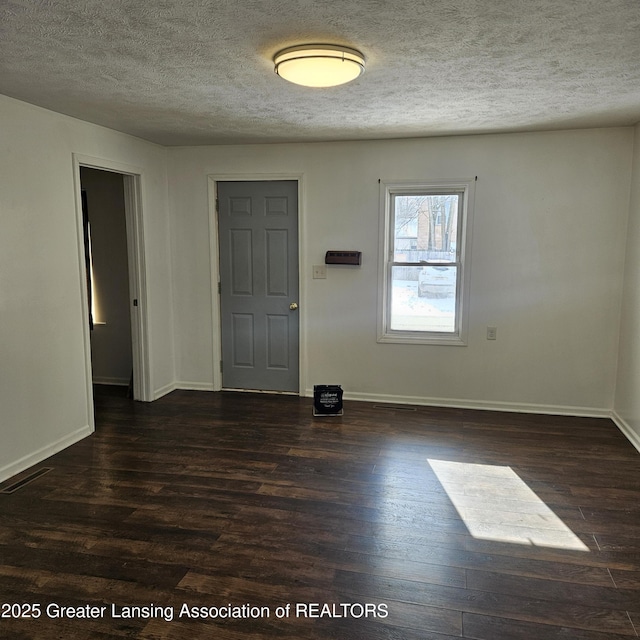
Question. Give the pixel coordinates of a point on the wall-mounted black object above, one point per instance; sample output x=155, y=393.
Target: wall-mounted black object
x=343, y=257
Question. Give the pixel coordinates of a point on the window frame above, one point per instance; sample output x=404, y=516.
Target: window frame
x=389, y=189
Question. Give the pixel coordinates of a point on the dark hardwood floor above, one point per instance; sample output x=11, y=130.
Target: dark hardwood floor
x=388, y=523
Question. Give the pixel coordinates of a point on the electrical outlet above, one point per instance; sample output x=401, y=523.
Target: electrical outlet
x=319, y=271
x=492, y=333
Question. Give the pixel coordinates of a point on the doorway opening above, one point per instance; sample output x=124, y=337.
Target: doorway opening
x=106, y=256
x=111, y=239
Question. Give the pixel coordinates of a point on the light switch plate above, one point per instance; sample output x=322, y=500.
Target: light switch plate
x=319, y=271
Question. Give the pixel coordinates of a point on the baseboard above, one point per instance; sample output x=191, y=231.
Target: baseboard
x=186, y=386
x=195, y=386
x=117, y=382
x=626, y=429
x=481, y=405
x=163, y=391
x=43, y=453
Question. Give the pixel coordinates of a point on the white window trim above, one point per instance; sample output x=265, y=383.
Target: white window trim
x=385, y=333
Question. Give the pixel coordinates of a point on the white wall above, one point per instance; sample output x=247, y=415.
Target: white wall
x=547, y=262
x=44, y=400
x=550, y=223
x=627, y=401
x=111, y=351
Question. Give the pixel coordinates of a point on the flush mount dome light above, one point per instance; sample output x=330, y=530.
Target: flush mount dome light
x=319, y=65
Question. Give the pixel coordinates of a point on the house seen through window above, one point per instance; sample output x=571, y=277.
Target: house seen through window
x=424, y=270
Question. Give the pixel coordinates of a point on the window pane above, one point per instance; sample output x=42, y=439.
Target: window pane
x=423, y=299
x=426, y=227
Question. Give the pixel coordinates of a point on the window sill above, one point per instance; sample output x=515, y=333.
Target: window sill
x=406, y=337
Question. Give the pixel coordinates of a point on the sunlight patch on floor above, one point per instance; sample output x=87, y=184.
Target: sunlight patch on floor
x=496, y=504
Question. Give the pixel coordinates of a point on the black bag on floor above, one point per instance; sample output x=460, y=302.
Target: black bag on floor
x=327, y=400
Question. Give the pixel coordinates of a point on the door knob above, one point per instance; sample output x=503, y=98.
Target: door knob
x=293, y=306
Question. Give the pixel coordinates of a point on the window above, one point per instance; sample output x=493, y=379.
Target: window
x=424, y=266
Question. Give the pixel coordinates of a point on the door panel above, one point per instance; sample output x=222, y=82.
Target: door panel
x=258, y=231
x=277, y=263
x=277, y=342
x=241, y=242
x=242, y=340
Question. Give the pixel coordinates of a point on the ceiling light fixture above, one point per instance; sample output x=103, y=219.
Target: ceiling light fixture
x=319, y=65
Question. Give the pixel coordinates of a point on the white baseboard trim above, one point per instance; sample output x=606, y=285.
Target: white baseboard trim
x=118, y=382
x=163, y=391
x=481, y=405
x=195, y=386
x=626, y=429
x=43, y=453
x=185, y=386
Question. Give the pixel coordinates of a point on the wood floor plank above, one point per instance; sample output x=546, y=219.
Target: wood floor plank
x=634, y=616
x=493, y=604
x=488, y=628
x=554, y=590
x=458, y=521
x=458, y=555
x=627, y=580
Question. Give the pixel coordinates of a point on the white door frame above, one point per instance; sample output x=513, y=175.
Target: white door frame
x=132, y=178
x=214, y=252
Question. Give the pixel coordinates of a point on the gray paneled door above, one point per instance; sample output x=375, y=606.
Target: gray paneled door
x=258, y=232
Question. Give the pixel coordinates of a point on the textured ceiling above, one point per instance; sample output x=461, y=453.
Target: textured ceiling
x=189, y=72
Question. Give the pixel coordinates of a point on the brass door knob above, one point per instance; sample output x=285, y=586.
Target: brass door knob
x=293, y=306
